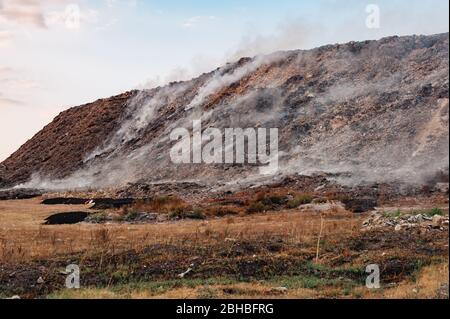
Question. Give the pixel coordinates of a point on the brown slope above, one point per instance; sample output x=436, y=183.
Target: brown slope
x=372, y=104
x=59, y=148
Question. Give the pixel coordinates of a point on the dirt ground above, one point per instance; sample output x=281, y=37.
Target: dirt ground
x=286, y=253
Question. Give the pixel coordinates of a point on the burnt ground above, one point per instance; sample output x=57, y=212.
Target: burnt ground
x=253, y=253
x=67, y=218
x=64, y=201
x=22, y=193
x=404, y=253
x=94, y=203
x=358, y=199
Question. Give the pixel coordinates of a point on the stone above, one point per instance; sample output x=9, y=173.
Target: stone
x=437, y=220
x=162, y=218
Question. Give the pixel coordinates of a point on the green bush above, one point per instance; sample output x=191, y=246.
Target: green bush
x=396, y=213
x=183, y=213
x=256, y=207
x=222, y=211
x=299, y=200
x=434, y=211
x=274, y=200
x=97, y=218
x=131, y=216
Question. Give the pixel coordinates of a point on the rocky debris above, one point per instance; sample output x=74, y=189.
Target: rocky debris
x=362, y=106
x=406, y=222
x=40, y=281
x=144, y=218
x=442, y=187
x=66, y=218
x=132, y=218
x=20, y=193
x=322, y=207
x=141, y=190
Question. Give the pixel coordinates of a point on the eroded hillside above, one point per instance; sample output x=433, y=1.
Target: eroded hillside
x=370, y=111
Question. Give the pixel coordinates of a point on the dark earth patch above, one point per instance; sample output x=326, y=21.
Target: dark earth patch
x=66, y=218
x=64, y=201
x=20, y=193
x=360, y=205
x=98, y=203
x=107, y=203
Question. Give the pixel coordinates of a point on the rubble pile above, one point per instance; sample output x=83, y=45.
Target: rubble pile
x=406, y=222
x=375, y=114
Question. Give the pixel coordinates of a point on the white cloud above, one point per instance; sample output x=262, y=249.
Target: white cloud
x=15, y=86
x=5, y=70
x=7, y=102
x=45, y=13
x=72, y=17
x=22, y=12
x=110, y=3
x=5, y=38
x=194, y=21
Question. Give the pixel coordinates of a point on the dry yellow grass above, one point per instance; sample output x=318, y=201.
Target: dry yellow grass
x=240, y=291
x=430, y=280
x=23, y=237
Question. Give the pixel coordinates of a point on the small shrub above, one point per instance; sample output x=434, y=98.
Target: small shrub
x=160, y=204
x=97, y=218
x=256, y=207
x=274, y=200
x=186, y=213
x=393, y=214
x=195, y=214
x=320, y=200
x=131, y=216
x=434, y=211
x=221, y=211
x=299, y=200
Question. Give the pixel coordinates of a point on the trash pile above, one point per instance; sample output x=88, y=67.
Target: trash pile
x=132, y=218
x=406, y=222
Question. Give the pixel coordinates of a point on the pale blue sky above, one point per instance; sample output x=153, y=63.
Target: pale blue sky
x=49, y=61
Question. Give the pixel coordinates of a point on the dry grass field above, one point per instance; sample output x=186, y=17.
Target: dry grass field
x=288, y=253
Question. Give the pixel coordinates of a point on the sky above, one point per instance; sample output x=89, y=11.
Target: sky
x=55, y=54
